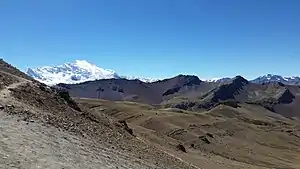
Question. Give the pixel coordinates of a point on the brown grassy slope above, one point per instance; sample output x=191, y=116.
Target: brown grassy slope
x=249, y=136
x=51, y=109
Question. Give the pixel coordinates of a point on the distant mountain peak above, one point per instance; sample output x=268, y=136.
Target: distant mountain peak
x=74, y=72
x=240, y=79
x=220, y=80
x=289, y=80
x=77, y=72
x=143, y=79
x=81, y=71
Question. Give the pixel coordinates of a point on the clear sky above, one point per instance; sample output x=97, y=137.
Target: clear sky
x=155, y=38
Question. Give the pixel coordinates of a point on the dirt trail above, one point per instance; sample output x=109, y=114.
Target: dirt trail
x=6, y=90
x=31, y=145
x=5, y=93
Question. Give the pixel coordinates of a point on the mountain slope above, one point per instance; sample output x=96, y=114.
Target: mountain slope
x=54, y=132
x=9, y=69
x=276, y=97
x=132, y=90
x=190, y=93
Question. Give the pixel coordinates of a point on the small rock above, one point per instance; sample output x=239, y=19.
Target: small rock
x=210, y=135
x=203, y=138
x=10, y=106
x=1, y=107
x=181, y=148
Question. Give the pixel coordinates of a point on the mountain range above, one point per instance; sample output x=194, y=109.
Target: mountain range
x=188, y=92
x=180, y=123
x=82, y=71
x=76, y=72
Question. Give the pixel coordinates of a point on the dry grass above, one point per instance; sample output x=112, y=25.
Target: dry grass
x=245, y=137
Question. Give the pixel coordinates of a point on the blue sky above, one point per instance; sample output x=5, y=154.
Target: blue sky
x=157, y=38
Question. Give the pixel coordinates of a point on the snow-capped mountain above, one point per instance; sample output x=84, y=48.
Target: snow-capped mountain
x=220, y=80
x=82, y=71
x=143, y=79
x=293, y=80
x=72, y=73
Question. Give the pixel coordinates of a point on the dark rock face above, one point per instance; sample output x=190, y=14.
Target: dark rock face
x=181, y=148
x=185, y=105
x=281, y=84
x=228, y=91
x=240, y=79
x=204, y=139
x=65, y=95
x=76, y=78
x=125, y=126
x=183, y=81
x=190, y=80
x=172, y=91
x=231, y=103
x=287, y=97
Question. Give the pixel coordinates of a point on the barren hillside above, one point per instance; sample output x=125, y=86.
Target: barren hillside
x=249, y=136
x=42, y=127
x=245, y=125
